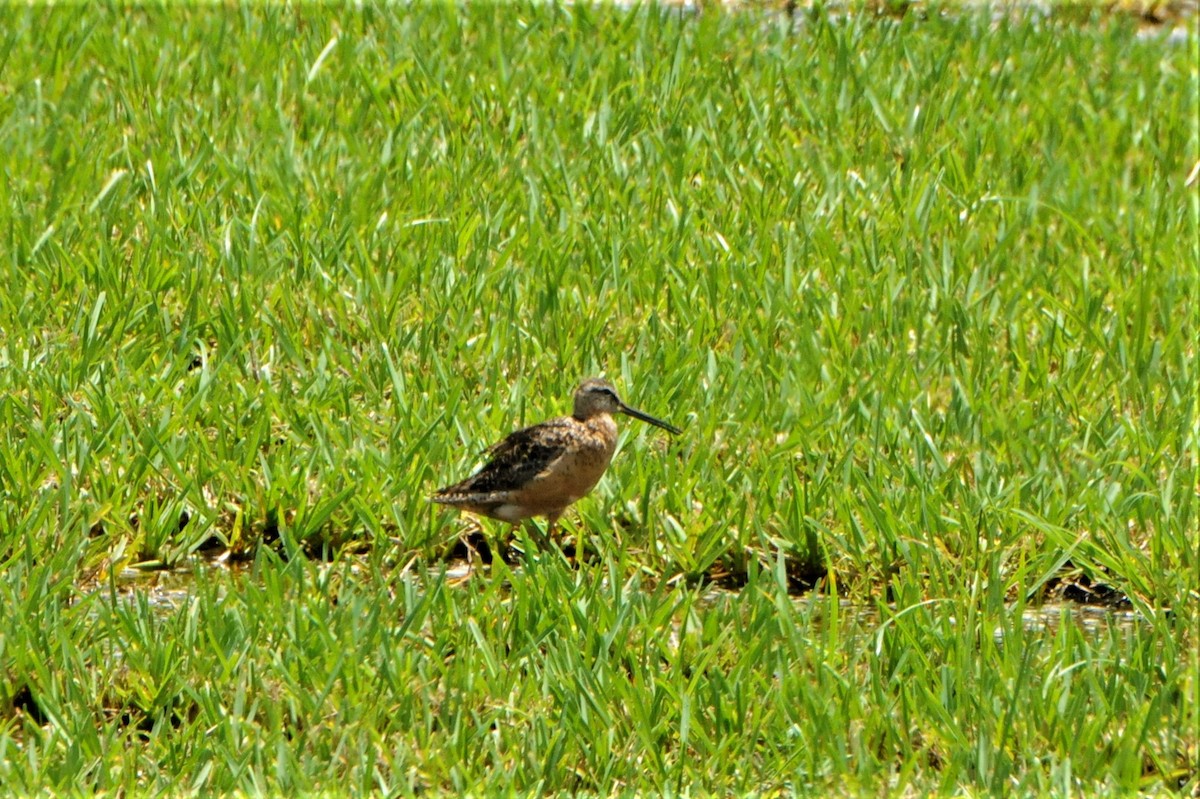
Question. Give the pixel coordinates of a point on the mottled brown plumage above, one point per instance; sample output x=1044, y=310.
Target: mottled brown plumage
x=543, y=469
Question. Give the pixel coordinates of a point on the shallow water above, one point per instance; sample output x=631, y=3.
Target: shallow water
x=1172, y=22
x=168, y=591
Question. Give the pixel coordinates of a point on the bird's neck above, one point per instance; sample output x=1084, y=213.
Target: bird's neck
x=602, y=422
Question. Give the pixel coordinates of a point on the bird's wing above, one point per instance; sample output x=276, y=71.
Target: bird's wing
x=518, y=459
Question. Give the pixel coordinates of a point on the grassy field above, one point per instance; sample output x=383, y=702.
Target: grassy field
x=923, y=293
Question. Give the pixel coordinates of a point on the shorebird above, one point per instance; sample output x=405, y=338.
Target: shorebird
x=543, y=469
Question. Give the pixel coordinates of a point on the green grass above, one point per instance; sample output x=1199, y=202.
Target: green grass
x=923, y=293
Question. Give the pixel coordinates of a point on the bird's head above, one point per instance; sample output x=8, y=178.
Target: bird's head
x=595, y=396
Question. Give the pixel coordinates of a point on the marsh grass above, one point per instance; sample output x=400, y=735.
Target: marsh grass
x=923, y=293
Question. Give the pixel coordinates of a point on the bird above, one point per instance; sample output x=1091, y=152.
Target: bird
x=543, y=469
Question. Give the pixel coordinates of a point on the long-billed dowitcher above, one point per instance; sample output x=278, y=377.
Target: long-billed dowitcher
x=543, y=469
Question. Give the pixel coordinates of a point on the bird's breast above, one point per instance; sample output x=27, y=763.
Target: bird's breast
x=585, y=460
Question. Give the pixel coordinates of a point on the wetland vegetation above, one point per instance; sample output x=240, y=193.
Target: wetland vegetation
x=921, y=289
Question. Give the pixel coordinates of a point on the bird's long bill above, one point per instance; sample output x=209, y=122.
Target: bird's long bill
x=645, y=417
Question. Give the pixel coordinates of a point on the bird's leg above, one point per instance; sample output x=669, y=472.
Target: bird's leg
x=545, y=538
x=580, y=542
x=527, y=536
x=571, y=545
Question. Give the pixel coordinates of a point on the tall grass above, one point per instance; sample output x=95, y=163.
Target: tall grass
x=922, y=292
